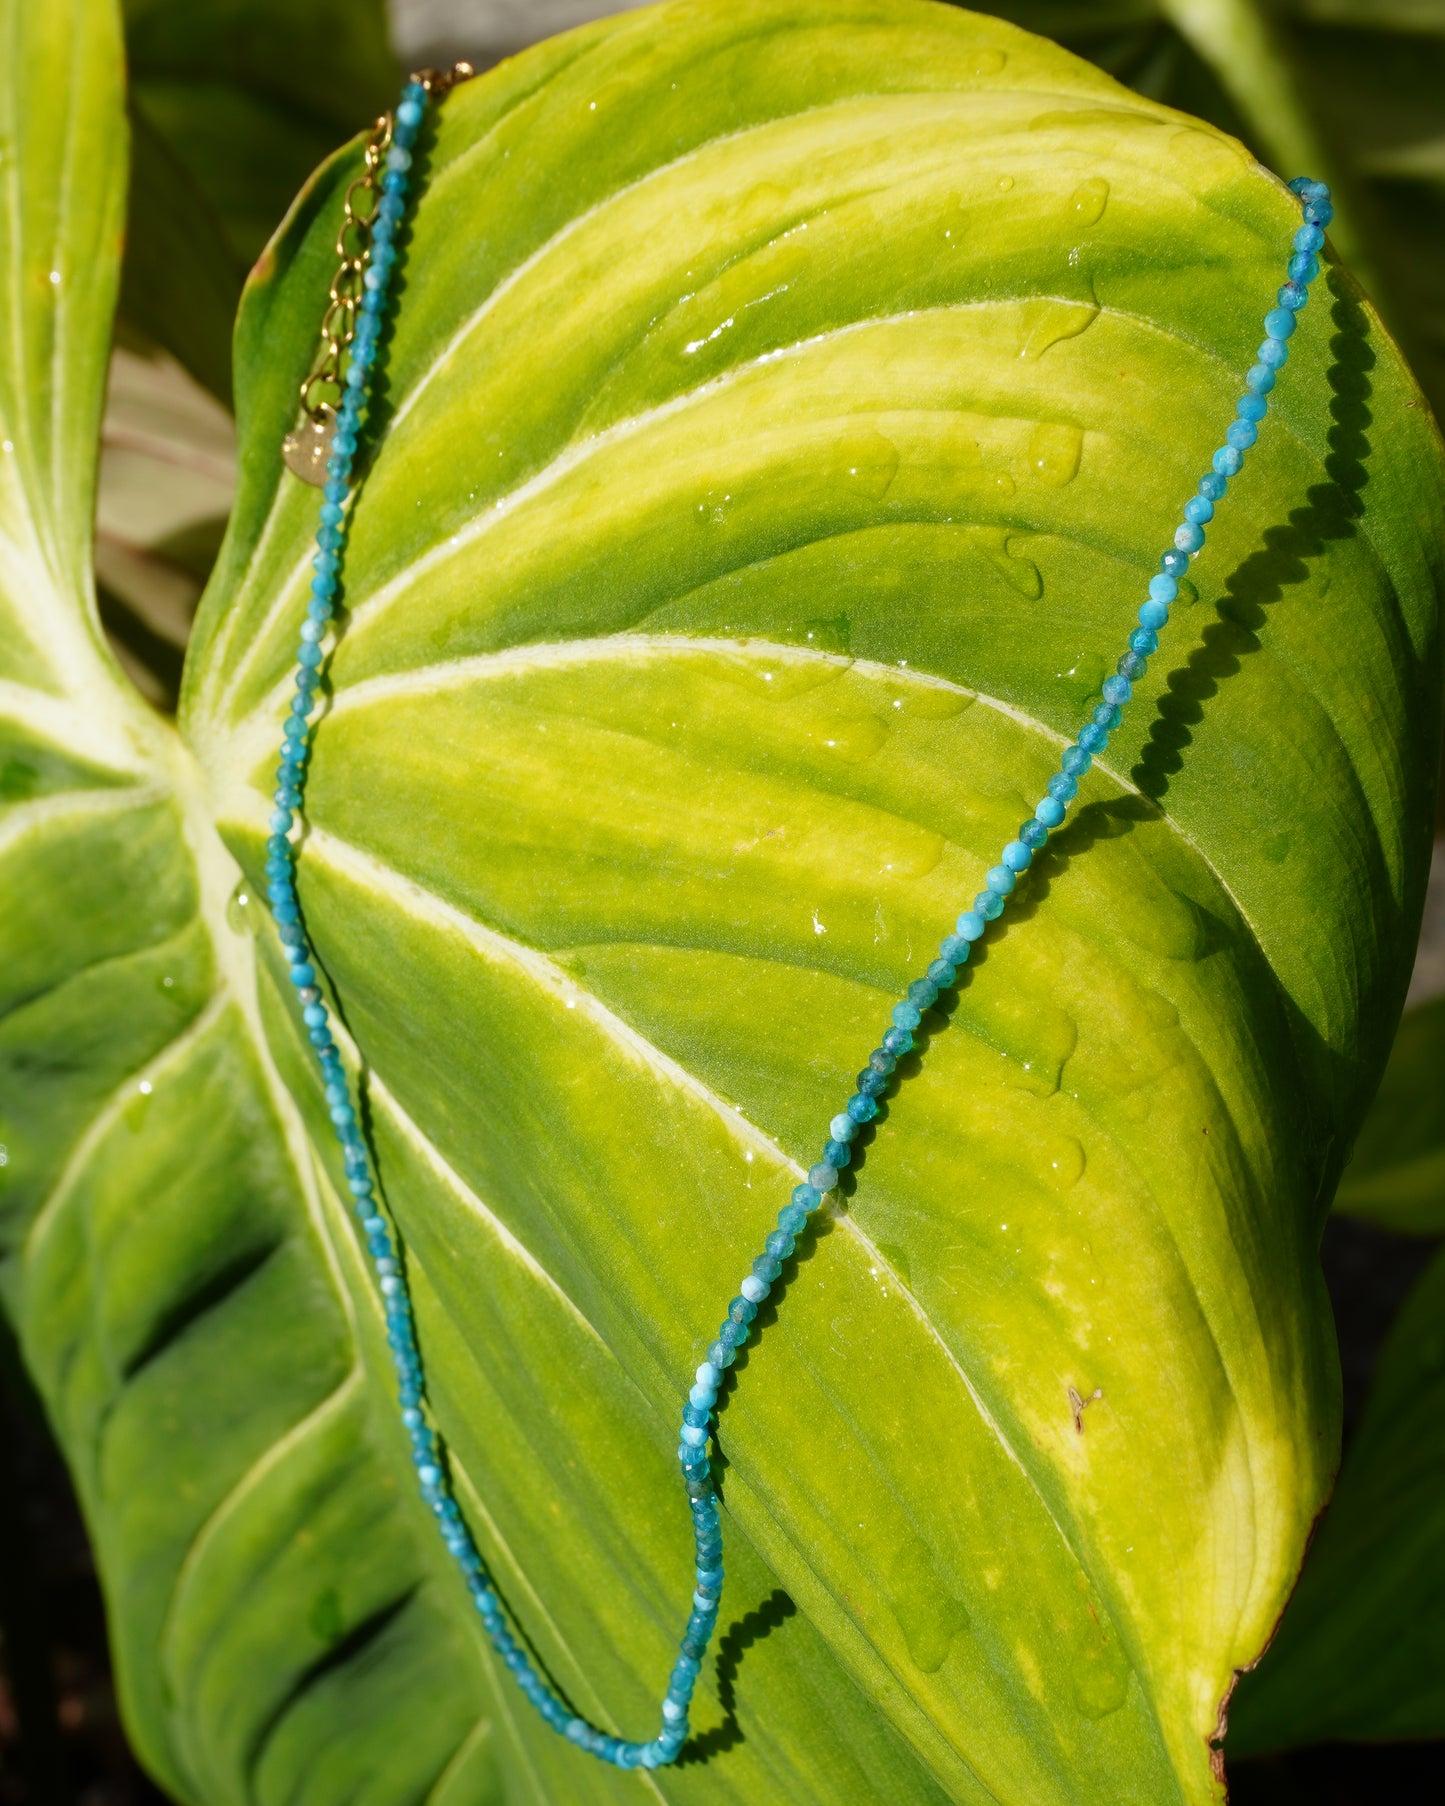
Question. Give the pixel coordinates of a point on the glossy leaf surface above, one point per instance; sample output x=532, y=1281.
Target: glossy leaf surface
x=1361, y=1652
x=1352, y=90
x=1396, y=1176
x=782, y=417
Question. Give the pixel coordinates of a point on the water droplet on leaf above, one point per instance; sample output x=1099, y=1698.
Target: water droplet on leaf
x=241, y=910
x=1045, y=321
x=1088, y=201
x=1055, y=448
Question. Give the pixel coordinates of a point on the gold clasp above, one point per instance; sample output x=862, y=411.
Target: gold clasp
x=308, y=446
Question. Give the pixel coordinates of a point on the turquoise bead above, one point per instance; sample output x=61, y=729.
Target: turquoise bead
x=1050, y=812
x=1000, y=880
x=1018, y=856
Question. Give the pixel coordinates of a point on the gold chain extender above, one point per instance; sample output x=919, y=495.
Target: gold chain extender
x=307, y=448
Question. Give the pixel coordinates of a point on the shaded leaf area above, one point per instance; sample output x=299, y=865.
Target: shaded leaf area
x=1348, y=90
x=232, y=105
x=780, y=414
x=1360, y=1652
x=1396, y=1176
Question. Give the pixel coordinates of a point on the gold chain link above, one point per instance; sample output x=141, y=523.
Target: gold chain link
x=353, y=247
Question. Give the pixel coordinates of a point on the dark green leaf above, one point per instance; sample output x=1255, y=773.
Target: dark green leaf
x=233, y=104
x=1397, y=1175
x=1361, y=1651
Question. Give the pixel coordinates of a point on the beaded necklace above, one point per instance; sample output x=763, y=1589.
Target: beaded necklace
x=322, y=451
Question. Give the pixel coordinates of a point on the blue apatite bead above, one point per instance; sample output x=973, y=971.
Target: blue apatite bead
x=807, y=1197
x=1063, y=787
x=989, y=904
x=923, y=992
x=1252, y=407
x=793, y=1220
x=1304, y=266
x=941, y=973
x=955, y=949
x=1213, y=485
x=1273, y=352
x=1033, y=833
x=1106, y=716
x=398, y=157
x=1280, y=322
x=1174, y=563
x=1309, y=238
x=1319, y=213
x=1163, y=588
x=1154, y=615
x=302, y=975
x=872, y=1084
x=394, y=182
x=1093, y=738
x=1000, y=880
x=837, y=1153
x=722, y=1354
x=1199, y=510
x=1076, y=761
x=1242, y=434
x=1018, y=856
x=880, y=1060
x=1293, y=295
x=1189, y=537
x=1143, y=640
x=1117, y=690
x=842, y=1127
x=970, y=925
x=1260, y=378
x=408, y=114
x=898, y=1040
x=1133, y=665
x=1229, y=459
x=822, y=1177
x=906, y=1015
x=1050, y=812
x=780, y=1244
x=861, y=1109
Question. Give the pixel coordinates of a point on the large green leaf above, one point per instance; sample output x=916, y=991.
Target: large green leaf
x=1397, y=1174
x=1361, y=1652
x=784, y=410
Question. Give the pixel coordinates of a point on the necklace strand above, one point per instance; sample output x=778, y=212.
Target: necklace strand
x=322, y=450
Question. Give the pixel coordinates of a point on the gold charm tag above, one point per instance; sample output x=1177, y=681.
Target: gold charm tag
x=309, y=446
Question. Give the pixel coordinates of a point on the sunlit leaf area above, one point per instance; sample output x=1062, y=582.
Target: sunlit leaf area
x=775, y=421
